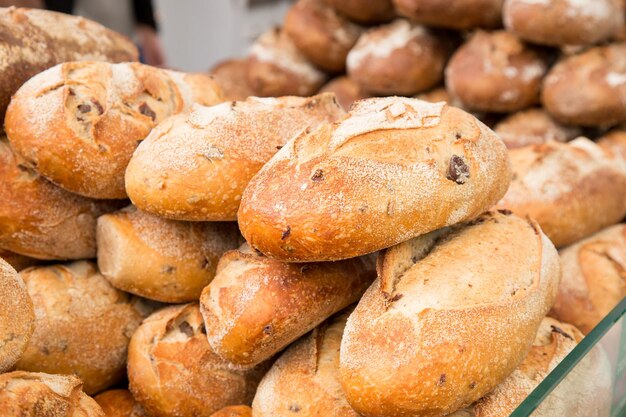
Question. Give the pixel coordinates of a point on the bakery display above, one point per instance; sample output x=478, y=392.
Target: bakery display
x=119, y=403
x=453, y=14
x=533, y=127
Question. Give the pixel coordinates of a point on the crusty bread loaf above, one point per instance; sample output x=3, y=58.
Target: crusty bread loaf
x=119, y=403
x=305, y=379
x=256, y=306
x=83, y=324
x=35, y=40
x=346, y=90
x=451, y=315
x=195, y=166
x=454, y=14
x=533, y=127
x=572, y=189
x=17, y=261
x=232, y=77
x=234, y=411
x=173, y=371
x=17, y=317
x=364, y=11
x=393, y=169
x=78, y=123
x=160, y=259
x=41, y=220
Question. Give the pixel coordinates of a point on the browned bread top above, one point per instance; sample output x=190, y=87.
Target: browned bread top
x=533, y=127
x=234, y=411
x=119, y=403
x=455, y=14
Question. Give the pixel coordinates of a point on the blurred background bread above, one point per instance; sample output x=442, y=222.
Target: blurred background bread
x=119, y=403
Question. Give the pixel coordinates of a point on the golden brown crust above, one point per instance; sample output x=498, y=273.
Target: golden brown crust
x=346, y=90
x=232, y=76
x=119, y=403
x=393, y=169
x=533, y=127
x=364, y=11
x=83, y=324
x=450, y=316
x=614, y=143
x=453, y=14
x=78, y=123
x=234, y=411
x=174, y=373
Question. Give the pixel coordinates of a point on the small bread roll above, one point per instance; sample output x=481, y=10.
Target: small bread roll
x=393, y=169
x=323, y=36
x=305, y=379
x=256, y=306
x=435, y=95
x=119, y=403
x=599, y=98
x=232, y=77
x=451, y=315
x=453, y=14
x=277, y=68
x=401, y=58
x=78, y=123
x=533, y=127
x=613, y=142
x=17, y=317
x=563, y=22
x=160, y=259
x=364, y=11
x=234, y=411
x=41, y=220
x=17, y=261
x=496, y=72
x=572, y=190
x=83, y=324
x=346, y=90
x=38, y=395
x=195, y=166
x=173, y=371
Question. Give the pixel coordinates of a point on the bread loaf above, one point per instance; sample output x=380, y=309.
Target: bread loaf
x=195, y=166
x=17, y=261
x=83, y=324
x=453, y=14
x=232, y=77
x=173, y=371
x=364, y=11
x=234, y=411
x=17, y=317
x=256, y=306
x=451, y=315
x=572, y=190
x=393, y=169
x=346, y=90
x=533, y=127
x=78, y=123
x=119, y=403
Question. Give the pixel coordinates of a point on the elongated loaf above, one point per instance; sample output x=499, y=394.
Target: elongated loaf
x=393, y=169
x=195, y=166
x=78, y=123
x=572, y=190
x=119, y=403
x=450, y=316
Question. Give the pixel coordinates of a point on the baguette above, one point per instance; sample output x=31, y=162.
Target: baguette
x=234, y=411
x=533, y=127
x=119, y=403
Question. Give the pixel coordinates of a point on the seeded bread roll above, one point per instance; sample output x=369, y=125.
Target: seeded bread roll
x=173, y=371
x=195, y=166
x=451, y=315
x=234, y=411
x=78, y=123
x=232, y=77
x=323, y=36
x=256, y=306
x=599, y=98
x=119, y=403
x=38, y=394
x=346, y=90
x=83, y=324
x=364, y=11
x=277, y=68
x=572, y=190
x=393, y=169
x=496, y=72
x=453, y=14
x=563, y=22
x=17, y=261
x=160, y=259
x=17, y=317
x=398, y=58
x=533, y=127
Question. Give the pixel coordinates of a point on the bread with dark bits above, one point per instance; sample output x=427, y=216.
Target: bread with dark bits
x=533, y=127
x=364, y=11
x=346, y=90
x=234, y=411
x=119, y=403
x=453, y=14
x=232, y=77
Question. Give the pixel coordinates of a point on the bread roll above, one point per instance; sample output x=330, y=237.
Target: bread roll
x=323, y=36
x=35, y=40
x=17, y=317
x=119, y=403
x=533, y=127
x=614, y=143
x=256, y=306
x=435, y=95
x=161, y=259
x=398, y=58
x=78, y=123
x=599, y=98
x=450, y=316
x=17, y=261
x=496, y=72
x=364, y=11
x=232, y=77
x=38, y=395
x=393, y=169
x=277, y=68
x=41, y=220
x=173, y=371
x=453, y=14
x=305, y=379
x=234, y=411
x=572, y=190
x=346, y=90
x=563, y=22
x=83, y=324
x=195, y=166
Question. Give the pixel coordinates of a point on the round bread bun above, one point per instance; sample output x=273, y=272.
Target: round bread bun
x=160, y=259
x=496, y=72
x=323, y=36
x=533, y=127
x=119, y=403
x=234, y=411
x=232, y=77
x=173, y=371
x=277, y=68
x=17, y=317
x=83, y=324
x=453, y=14
x=400, y=58
x=17, y=261
x=364, y=11
x=346, y=90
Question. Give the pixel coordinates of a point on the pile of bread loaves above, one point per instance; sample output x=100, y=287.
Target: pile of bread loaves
x=280, y=256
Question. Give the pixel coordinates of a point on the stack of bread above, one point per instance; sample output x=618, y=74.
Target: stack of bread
x=177, y=246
